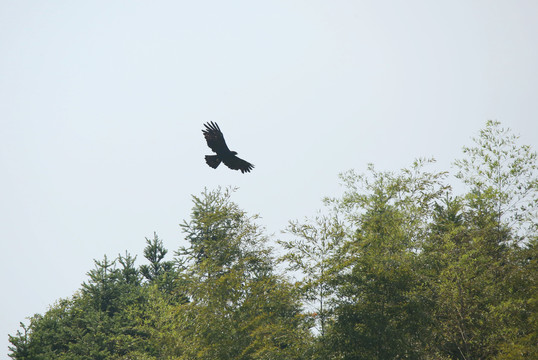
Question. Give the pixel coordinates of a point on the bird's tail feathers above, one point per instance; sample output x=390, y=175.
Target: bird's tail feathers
x=212, y=160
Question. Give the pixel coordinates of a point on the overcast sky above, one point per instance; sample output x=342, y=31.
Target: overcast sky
x=102, y=105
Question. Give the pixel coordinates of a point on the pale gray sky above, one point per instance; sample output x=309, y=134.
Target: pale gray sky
x=102, y=105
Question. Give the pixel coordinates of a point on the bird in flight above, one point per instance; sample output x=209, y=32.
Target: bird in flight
x=215, y=140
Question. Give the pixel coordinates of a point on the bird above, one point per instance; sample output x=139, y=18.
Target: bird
x=215, y=141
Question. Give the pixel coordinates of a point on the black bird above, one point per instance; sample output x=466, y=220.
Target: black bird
x=215, y=140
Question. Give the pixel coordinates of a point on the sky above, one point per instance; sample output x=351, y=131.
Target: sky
x=102, y=105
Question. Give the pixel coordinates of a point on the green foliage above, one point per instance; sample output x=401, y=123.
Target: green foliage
x=93, y=324
x=161, y=273
x=398, y=267
x=379, y=313
x=155, y=252
x=473, y=255
x=220, y=235
x=314, y=252
x=463, y=271
x=235, y=295
x=520, y=308
x=503, y=178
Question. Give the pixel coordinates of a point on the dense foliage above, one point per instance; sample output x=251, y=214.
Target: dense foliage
x=398, y=267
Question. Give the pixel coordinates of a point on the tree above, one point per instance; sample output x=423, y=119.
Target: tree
x=159, y=272
x=379, y=313
x=314, y=252
x=155, y=252
x=503, y=178
x=239, y=308
x=466, y=272
x=215, y=232
x=472, y=256
x=521, y=330
x=92, y=324
x=101, y=288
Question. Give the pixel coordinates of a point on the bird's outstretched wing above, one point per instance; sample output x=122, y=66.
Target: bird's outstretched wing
x=236, y=163
x=215, y=139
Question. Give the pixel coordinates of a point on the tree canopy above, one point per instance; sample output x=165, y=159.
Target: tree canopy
x=397, y=267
